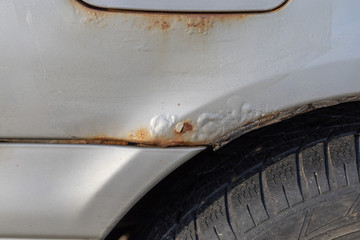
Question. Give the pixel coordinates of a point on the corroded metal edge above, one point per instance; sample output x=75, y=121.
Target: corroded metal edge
x=262, y=121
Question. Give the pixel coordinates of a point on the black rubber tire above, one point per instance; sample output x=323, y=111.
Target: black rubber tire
x=301, y=183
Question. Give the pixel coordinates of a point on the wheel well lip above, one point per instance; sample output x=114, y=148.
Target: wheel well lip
x=280, y=115
x=311, y=108
x=262, y=121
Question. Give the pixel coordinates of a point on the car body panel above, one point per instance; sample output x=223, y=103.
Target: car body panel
x=76, y=191
x=134, y=76
x=74, y=75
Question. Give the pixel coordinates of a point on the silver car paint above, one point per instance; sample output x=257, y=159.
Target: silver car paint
x=68, y=71
x=76, y=191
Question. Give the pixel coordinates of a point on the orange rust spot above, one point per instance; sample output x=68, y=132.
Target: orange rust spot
x=139, y=135
x=142, y=134
x=155, y=22
x=89, y=15
x=268, y=116
x=183, y=127
x=199, y=23
x=102, y=140
x=165, y=26
x=95, y=140
x=187, y=127
x=193, y=23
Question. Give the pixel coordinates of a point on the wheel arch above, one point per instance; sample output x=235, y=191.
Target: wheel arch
x=185, y=175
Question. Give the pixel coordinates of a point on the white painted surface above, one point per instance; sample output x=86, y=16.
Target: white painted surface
x=75, y=191
x=188, y=5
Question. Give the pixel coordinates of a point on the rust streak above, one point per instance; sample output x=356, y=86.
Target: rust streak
x=165, y=21
x=184, y=129
x=95, y=140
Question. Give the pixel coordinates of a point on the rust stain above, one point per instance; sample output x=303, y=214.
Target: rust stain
x=200, y=23
x=162, y=24
x=139, y=135
x=182, y=133
x=144, y=138
x=183, y=127
x=165, y=25
x=106, y=140
x=89, y=16
x=187, y=127
x=94, y=17
x=96, y=140
x=145, y=142
x=142, y=134
x=191, y=22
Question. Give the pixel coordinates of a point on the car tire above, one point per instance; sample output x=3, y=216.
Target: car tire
x=300, y=183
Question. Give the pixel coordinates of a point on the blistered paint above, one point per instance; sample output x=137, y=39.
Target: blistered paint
x=215, y=125
x=203, y=129
x=215, y=129
x=184, y=126
x=165, y=79
x=219, y=128
x=161, y=125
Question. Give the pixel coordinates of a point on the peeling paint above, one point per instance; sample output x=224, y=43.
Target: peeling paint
x=274, y=117
x=214, y=125
x=184, y=127
x=215, y=129
x=172, y=63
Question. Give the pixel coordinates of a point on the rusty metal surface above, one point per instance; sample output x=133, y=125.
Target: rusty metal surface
x=74, y=77
x=166, y=79
x=143, y=138
x=165, y=21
